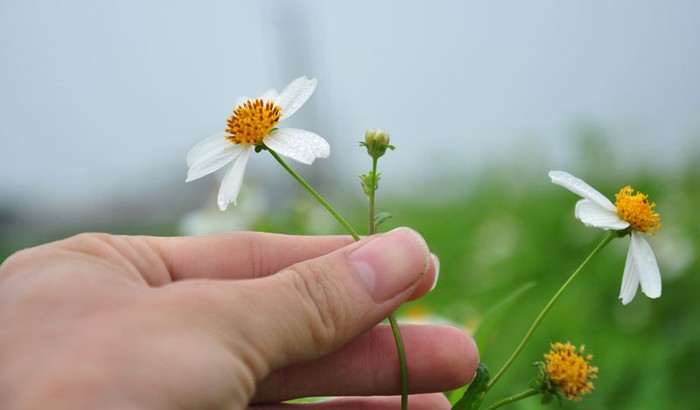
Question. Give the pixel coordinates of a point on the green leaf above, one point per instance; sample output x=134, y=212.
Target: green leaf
x=476, y=391
x=381, y=217
x=493, y=317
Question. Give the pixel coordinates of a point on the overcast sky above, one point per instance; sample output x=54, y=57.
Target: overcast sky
x=103, y=97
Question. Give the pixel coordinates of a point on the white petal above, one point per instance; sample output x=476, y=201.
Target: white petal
x=209, y=165
x=630, y=279
x=646, y=266
x=295, y=95
x=206, y=147
x=299, y=145
x=213, y=160
x=270, y=94
x=592, y=214
x=581, y=189
x=231, y=184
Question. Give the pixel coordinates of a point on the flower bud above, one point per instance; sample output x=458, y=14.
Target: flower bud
x=377, y=142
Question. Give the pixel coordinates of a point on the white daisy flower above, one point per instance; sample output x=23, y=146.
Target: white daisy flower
x=253, y=125
x=632, y=213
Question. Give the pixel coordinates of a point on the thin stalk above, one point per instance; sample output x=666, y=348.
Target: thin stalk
x=401, y=352
x=316, y=196
x=611, y=235
x=402, y=360
x=512, y=399
x=371, y=195
x=392, y=318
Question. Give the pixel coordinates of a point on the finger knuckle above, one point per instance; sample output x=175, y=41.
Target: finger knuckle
x=323, y=301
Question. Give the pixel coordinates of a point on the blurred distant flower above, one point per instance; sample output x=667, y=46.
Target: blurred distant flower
x=677, y=251
x=422, y=315
x=566, y=371
x=253, y=126
x=631, y=213
x=208, y=219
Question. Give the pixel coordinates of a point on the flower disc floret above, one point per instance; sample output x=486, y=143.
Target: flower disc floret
x=252, y=121
x=569, y=370
x=637, y=210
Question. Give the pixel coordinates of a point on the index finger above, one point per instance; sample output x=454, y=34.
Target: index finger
x=240, y=255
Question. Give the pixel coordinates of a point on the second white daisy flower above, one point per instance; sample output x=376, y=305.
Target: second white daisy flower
x=253, y=124
x=631, y=212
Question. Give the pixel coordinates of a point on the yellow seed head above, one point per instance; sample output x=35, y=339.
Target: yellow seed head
x=569, y=370
x=637, y=210
x=252, y=121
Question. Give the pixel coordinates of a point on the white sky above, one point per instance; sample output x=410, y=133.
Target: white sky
x=99, y=98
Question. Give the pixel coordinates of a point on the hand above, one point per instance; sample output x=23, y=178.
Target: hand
x=224, y=321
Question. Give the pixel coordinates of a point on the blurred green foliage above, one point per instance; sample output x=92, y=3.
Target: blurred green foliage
x=514, y=232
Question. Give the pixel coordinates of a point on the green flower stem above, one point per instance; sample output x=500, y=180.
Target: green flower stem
x=392, y=318
x=611, y=235
x=315, y=194
x=402, y=360
x=512, y=399
x=373, y=189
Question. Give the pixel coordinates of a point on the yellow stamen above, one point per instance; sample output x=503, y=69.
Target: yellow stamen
x=252, y=121
x=570, y=371
x=637, y=210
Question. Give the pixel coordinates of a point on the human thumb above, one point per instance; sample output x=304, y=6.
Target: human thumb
x=313, y=307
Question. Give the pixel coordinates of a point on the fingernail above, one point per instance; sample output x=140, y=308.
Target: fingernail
x=436, y=263
x=390, y=263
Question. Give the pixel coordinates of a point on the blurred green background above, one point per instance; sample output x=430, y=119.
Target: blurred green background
x=513, y=231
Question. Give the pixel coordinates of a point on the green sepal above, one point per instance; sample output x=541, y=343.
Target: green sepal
x=474, y=396
x=549, y=396
x=546, y=398
x=542, y=383
x=624, y=232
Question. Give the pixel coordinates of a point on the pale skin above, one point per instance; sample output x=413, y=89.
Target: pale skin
x=234, y=321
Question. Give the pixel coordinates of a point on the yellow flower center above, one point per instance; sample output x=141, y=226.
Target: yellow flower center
x=252, y=121
x=570, y=371
x=636, y=209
